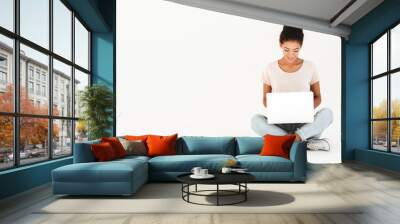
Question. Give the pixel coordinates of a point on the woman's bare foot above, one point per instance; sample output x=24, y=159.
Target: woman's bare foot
x=298, y=138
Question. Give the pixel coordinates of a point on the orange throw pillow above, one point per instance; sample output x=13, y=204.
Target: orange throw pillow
x=277, y=145
x=103, y=151
x=136, y=137
x=116, y=145
x=161, y=145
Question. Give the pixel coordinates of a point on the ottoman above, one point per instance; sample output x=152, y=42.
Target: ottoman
x=118, y=177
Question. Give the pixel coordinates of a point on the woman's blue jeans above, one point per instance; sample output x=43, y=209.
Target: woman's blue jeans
x=322, y=119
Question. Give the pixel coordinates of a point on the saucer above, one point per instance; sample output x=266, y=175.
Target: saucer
x=208, y=176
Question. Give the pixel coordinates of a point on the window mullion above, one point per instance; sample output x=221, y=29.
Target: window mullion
x=89, y=54
x=16, y=84
x=371, y=97
x=73, y=82
x=389, y=101
x=50, y=81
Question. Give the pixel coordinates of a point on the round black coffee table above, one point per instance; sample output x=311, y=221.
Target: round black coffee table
x=238, y=179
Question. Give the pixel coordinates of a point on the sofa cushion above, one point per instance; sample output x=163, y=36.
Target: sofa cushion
x=134, y=147
x=103, y=152
x=161, y=145
x=197, y=145
x=133, y=158
x=185, y=163
x=257, y=163
x=111, y=171
x=136, y=137
x=116, y=145
x=277, y=145
x=249, y=145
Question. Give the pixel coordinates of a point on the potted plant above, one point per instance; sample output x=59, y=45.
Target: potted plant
x=96, y=102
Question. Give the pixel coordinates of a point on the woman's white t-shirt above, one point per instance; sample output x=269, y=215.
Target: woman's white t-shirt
x=298, y=81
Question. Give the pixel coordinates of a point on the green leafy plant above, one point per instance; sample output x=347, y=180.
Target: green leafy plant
x=96, y=102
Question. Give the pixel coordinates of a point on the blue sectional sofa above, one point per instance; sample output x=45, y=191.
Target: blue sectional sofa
x=125, y=176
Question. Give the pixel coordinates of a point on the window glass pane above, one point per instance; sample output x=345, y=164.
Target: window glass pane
x=6, y=74
x=395, y=94
x=7, y=14
x=6, y=142
x=81, y=81
x=395, y=47
x=395, y=138
x=81, y=45
x=62, y=29
x=379, y=55
x=35, y=21
x=379, y=135
x=34, y=97
x=62, y=89
x=62, y=138
x=81, y=131
x=379, y=97
x=33, y=140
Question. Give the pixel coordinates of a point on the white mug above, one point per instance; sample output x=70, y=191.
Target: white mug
x=226, y=170
x=203, y=172
x=196, y=170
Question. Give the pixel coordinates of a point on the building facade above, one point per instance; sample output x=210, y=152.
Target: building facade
x=34, y=81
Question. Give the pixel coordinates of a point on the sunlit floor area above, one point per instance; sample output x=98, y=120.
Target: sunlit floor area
x=376, y=190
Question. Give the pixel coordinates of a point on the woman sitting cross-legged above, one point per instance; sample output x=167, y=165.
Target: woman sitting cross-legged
x=293, y=74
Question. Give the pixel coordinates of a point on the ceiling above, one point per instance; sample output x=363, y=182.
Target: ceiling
x=318, y=9
x=327, y=16
x=322, y=9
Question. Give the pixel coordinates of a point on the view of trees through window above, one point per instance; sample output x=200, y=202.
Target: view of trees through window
x=385, y=87
x=32, y=130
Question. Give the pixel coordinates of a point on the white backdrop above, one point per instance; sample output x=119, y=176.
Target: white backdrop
x=191, y=71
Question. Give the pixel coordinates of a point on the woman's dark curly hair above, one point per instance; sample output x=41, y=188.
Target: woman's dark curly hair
x=291, y=33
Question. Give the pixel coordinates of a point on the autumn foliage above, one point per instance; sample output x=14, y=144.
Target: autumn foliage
x=380, y=127
x=33, y=131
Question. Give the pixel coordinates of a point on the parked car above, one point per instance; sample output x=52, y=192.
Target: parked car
x=22, y=155
x=38, y=152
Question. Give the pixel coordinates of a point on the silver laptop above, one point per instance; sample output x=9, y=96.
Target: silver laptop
x=290, y=107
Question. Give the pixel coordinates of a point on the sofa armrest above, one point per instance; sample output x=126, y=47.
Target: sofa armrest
x=298, y=155
x=83, y=152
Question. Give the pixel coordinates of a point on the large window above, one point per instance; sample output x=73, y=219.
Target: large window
x=40, y=80
x=385, y=91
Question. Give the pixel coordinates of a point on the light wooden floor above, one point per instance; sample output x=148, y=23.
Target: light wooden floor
x=378, y=188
